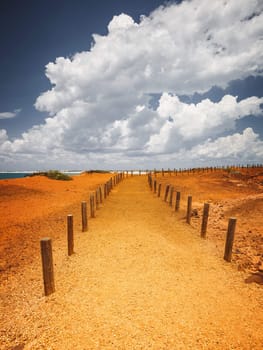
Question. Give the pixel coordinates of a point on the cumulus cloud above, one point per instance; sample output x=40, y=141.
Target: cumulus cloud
x=100, y=100
x=190, y=123
x=3, y=136
x=181, y=48
x=9, y=115
x=246, y=146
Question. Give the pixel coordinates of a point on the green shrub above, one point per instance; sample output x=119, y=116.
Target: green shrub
x=95, y=171
x=54, y=175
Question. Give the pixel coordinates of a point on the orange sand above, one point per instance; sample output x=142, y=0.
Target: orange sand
x=36, y=207
x=238, y=194
x=140, y=278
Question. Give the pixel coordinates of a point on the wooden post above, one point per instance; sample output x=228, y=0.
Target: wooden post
x=105, y=191
x=166, y=192
x=100, y=192
x=177, y=201
x=47, y=265
x=205, y=220
x=70, y=234
x=189, y=209
x=92, y=207
x=159, y=190
x=171, y=196
x=154, y=186
x=97, y=199
x=230, y=239
x=84, y=216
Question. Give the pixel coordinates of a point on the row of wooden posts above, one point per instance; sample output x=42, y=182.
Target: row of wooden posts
x=189, y=171
x=102, y=192
x=168, y=195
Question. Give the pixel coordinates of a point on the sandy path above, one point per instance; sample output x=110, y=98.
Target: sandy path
x=140, y=279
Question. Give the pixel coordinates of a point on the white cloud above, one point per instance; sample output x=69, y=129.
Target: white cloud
x=189, y=123
x=180, y=48
x=99, y=104
x=3, y=136
x=246, y=146
x=9, y=115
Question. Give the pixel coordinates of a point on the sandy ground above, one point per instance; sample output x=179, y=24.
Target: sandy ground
x=36, y=207
x=239, y=194
x=140, y=278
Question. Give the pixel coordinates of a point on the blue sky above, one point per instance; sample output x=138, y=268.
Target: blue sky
x=158, y=85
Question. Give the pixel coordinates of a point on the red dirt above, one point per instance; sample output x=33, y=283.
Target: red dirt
x=237, y=193
x=36, y=207
x=140, y=278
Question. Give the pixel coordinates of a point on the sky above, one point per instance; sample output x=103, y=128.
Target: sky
x=130, y=84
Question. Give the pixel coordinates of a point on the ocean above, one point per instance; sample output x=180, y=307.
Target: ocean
x=18, y=175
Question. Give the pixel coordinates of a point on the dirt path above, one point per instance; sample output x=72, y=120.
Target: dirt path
x=140, y=279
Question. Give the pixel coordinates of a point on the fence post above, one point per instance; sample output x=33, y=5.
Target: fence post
x=166, y=192
x=177, y=202
x=189, y=209
x=230, y=239
x=97, y=199
x=47, y=265
x=100, y=192
x=159, y=190
x=70, y=234
x=92, y=208
x=154, y=186
x=205, y=220
x=84, y=216
x=171, y=196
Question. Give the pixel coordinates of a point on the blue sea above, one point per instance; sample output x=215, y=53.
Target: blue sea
x=17, y=175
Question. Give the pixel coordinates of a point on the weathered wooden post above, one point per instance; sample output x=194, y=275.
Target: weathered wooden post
x=159, y=190
x=92, y=206
x=105, y=190
x=162, y=172
x=100, y=193
x=97, y=199
x=171, y=196
x=230, y=239
x=47, y=265
x=189, y=209
x=205, y=220
x=166, y=192
x=150, y=181
x=84, y=216
x=177, y=201
x=70, y=234
x=154, y=186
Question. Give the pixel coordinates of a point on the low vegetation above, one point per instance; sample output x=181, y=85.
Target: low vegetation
x=95, y=171
x=53, y=174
